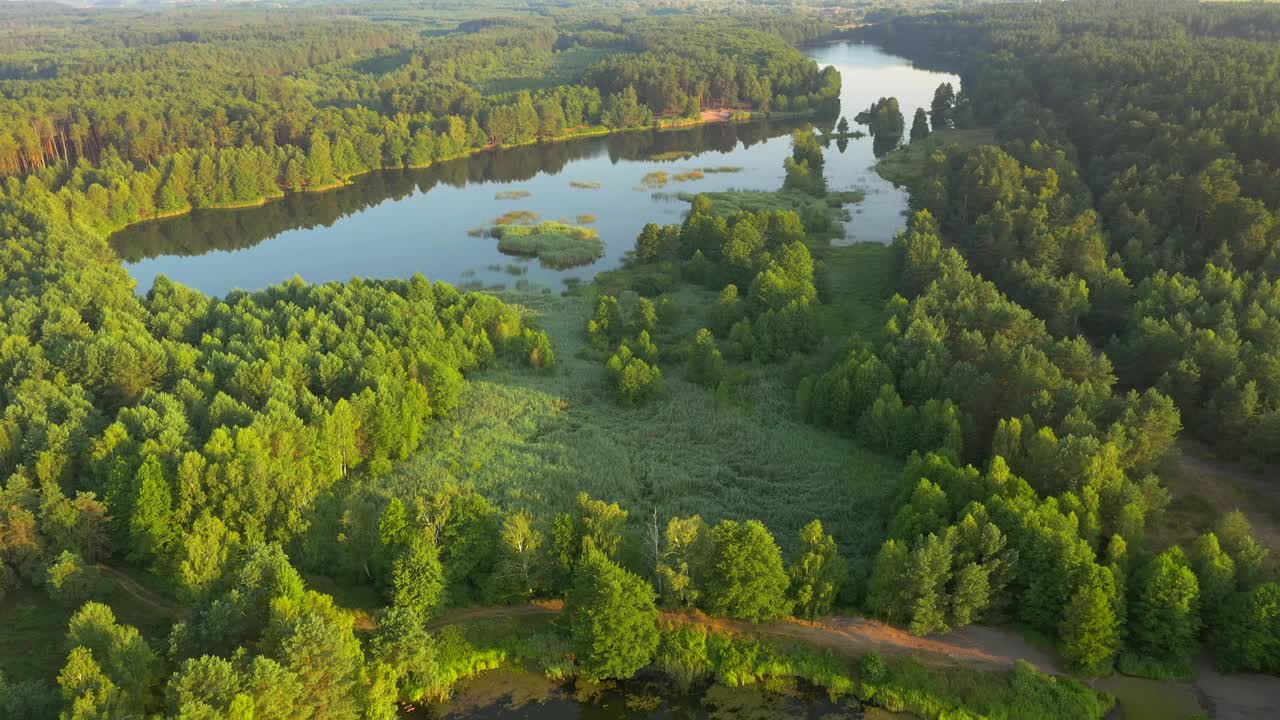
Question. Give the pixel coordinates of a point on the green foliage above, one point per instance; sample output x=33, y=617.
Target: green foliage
x=27, y=699
x=1248, y=637
x=1165, y=611
x=315, y=640
x=804, y=169
x=71, y=581
x=403, y=644
x=706, y=364
x=1090, y=629
x=521, y=557
x=612, y=618
x=684, y=563
x=746, y=578
x=817, y=574
x=606, y=327
x=919, y=126
x=633, y=379
x=884, y=120
x=683, y=654
x=151, y=522
x=556, y=245
x=417, y=577
x=932, y=692
x=110, y=666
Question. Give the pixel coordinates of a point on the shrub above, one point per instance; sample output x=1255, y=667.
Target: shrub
x=632, y=379
x=71, y=581
x=706, y=365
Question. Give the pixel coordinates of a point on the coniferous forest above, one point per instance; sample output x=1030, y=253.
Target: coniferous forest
x=1017, y=463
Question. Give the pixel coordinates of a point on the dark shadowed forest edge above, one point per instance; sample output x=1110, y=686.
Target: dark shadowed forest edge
x=1004, y=467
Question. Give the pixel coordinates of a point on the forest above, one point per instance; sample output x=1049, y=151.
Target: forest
x=347, y=500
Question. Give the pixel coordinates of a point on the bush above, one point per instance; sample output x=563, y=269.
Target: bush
x=706, y=365
x=71, y=581
x=633, y=380
x=683, y=654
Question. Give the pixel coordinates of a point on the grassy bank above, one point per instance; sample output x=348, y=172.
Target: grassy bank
x=906, y=165
x=695, y=656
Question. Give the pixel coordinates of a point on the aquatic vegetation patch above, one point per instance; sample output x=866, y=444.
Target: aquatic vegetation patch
x=586, y=219
x=672, y=155
x=556, y=245
x=721, y=169
x=517, y=217
x=688, y=175
x=511, y=195
x=655, y=179
x=586, y=184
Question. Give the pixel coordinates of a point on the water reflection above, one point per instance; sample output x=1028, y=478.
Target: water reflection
x=204, y=231
x=397, y=223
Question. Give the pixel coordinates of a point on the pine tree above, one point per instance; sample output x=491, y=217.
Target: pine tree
x=919, y=126
x=942, y=110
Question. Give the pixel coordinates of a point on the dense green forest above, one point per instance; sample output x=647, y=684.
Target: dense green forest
x=274, y=504
x=1129, y=205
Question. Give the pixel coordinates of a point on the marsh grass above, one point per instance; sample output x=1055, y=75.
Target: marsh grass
x=655, y=179
x=556, y=245
x=511, y=195
x=722, y=169
x=586, y=184
x=586, y=219
x=537, y=439
x=729, y=202
x=517, y=217
x=688, y=175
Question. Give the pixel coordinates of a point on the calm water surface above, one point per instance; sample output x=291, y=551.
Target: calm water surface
x=393, y=224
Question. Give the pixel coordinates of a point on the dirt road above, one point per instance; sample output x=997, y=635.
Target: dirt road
x=1227, y=697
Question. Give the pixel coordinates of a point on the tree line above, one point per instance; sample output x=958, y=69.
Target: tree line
x=1133, y=192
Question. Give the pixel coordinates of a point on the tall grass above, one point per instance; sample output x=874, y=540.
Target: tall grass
x=537, y=439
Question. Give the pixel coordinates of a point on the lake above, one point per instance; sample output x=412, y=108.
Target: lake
x=392, y=224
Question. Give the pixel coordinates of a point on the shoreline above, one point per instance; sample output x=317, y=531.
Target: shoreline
x=590, y=132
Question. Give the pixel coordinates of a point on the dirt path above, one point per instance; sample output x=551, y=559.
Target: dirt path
x=1225, y=697
x=988, y=647
x=1223, y=486
x=152, y=600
